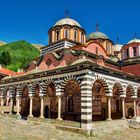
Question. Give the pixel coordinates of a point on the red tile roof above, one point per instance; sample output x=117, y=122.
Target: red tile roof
x=5, y=71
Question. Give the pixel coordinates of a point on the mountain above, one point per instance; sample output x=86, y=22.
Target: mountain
x=2, y=43
x=38, y=46
x=18, y=54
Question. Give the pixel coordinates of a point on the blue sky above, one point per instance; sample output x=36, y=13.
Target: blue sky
x=30, y=20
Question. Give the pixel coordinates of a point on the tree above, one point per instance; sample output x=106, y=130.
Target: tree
x=5, y=58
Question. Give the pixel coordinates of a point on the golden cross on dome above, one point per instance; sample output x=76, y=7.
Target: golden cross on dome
x=97, y=27
x=67, y=13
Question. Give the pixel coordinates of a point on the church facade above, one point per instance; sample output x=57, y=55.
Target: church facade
x=77, y=77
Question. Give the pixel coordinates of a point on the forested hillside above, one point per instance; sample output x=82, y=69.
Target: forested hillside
x=17, y=55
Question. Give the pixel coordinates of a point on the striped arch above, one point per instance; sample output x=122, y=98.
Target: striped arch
x=1, y=91
x=138, y=92
x=131, y=89
x=12, y=90
x=43, y=86
x=119, y=86
x=34, y=84
x=5, y=91
x=65, y=81
x=22, y=86
x=106, y=86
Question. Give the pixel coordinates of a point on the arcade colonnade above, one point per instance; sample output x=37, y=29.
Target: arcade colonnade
x=83, y=98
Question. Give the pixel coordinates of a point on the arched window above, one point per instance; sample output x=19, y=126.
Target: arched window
x=96, y=51
x=75, y=35
x=134, y=51
x=82, y=38
x=57, y=34
x=108, y=48
x=127, y=53
x=66, y=33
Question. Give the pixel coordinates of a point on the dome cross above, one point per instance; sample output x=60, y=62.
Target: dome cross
x=97, y=27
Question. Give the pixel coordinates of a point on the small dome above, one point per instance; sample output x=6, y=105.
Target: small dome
x=68, y=21
x=117, y=47
x=97, y=35
x=134, y=40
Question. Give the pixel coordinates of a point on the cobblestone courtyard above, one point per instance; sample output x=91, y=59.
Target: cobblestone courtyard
x=12, y=129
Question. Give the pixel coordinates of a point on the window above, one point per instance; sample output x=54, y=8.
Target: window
x=75, y=35
x=66, y=33
x=107, y=48
x=134, y=51
x=48, y=62
x=82, y=38
x=127, y=53
x=57, y=34
x=96, y=50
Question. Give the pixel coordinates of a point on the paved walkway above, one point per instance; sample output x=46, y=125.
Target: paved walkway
x=12, y=129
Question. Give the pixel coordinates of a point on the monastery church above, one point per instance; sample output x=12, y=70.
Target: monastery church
x=78, y=77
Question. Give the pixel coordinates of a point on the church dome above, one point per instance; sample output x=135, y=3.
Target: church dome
x=68, y=21
x=97, y=34
x=117, y=47
x=134, y=40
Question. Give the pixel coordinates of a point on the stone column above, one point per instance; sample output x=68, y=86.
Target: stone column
x=59, y=108
x=31, y=107
x=42, y=107
x=11, y=105
x=2, y=104
x=135, y=114
x=109, y=108
x=86, y=104
x=123, y=108
x=17, y=105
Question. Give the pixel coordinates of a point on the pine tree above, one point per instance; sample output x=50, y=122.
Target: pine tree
x=5, y=58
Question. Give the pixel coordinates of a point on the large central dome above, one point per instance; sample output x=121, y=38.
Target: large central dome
x=68, y=21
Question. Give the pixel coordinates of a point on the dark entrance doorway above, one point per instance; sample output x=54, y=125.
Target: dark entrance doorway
x=46, y=111
x=25, y=103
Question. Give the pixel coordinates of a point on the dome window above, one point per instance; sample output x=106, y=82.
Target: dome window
x=135, y=51
x=75, y=35
x=66, y=33
x=82, y=38
x=127, y=53
x=57, y=34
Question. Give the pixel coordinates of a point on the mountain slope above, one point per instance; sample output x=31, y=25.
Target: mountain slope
x=21, y=54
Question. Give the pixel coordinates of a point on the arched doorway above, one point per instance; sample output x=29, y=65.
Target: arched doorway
x=36, y=102
x=138, y=103
x=6, y=100
x=116, y=105
x=130, y=112
x=51, y=107
x=25, y=102
x=99, y=102
x=71, y=101
x=129, y=102
x=14, y=99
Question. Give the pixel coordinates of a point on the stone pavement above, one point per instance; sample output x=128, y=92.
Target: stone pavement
x=14, y=129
